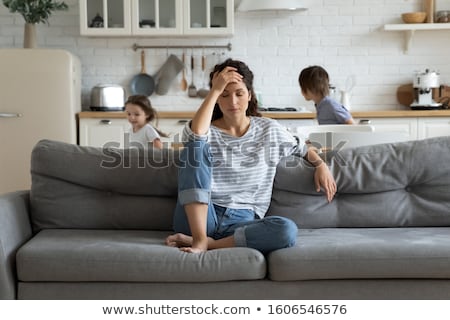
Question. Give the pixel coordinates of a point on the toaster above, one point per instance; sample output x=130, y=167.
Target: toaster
x=107, y=97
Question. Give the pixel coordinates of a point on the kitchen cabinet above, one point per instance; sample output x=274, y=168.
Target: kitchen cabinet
x=405, y=125
x=156, y=17
x=291, y=124
x=105, y=17
x=174, y=128
x=433, y=127
x=99, y=132
x=208, y=17
x=98, y=128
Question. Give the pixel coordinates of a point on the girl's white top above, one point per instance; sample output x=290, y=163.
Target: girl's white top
x=143, y=136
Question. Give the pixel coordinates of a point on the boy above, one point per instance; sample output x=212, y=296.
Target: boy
x=314, y=83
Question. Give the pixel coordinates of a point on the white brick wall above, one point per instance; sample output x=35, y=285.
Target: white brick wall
x=344, y=36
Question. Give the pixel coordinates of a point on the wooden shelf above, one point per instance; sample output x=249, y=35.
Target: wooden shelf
x=411, y=28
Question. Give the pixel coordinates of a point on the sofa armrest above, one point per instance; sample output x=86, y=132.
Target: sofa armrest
x=15, y=229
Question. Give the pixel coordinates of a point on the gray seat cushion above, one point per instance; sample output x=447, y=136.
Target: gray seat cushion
x=364, y=253
x=129, y=256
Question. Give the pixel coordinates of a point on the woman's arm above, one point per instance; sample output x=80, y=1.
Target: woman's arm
x=322, y=175
x=202, y=118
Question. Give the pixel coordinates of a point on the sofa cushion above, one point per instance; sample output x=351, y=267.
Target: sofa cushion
x=341, y=253
x=129, y=256
x=86, y=187
x=403, y=184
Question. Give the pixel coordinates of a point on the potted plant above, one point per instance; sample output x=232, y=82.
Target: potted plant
x=34, y=12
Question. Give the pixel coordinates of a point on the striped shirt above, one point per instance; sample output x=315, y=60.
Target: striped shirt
x=244, y=167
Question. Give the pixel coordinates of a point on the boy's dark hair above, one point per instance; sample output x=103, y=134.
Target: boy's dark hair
x=314, y=79
x=247, y=78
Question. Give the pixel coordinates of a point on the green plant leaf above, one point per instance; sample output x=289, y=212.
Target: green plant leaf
x=35, y=11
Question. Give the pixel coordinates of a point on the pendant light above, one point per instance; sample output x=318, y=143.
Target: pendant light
x=270, y=5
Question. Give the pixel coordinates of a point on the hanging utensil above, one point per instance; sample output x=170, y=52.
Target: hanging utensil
x=168, y=72
x=192, y=90
x=184, y=83
x=203, y=92
x=142, y=83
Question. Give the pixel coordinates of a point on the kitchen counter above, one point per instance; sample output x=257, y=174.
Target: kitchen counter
x=401, y=113
x=120, y=115
x=287, y=115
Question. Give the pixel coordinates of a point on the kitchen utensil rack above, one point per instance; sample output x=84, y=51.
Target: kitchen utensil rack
x=227, y=46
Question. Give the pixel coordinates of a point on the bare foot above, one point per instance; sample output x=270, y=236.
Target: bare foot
x=192, y=250
x=186, y=243
x=198, y=246
x=179, y=240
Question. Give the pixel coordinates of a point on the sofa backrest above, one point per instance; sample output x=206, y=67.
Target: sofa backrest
x=94, y=188
x=402, y=184
x=389, y=185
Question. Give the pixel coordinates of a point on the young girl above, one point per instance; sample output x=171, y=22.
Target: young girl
x=314, y=82
x=140, y=113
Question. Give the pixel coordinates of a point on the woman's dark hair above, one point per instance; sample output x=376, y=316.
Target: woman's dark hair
x=314, y=79
x=247, y=78
x=144, y=103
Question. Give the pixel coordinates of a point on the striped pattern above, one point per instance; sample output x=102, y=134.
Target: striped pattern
x=244, y=167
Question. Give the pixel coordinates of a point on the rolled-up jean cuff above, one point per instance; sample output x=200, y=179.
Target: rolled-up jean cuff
x=194, y=196
x=239, y=237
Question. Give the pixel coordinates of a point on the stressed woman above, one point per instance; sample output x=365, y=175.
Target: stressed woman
x=228, y=166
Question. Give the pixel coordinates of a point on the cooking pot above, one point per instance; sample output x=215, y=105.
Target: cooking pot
x=107, y=97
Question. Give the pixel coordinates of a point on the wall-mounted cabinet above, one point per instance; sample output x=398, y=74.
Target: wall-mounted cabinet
x=105, y=17
x=208, y=17
x=156, y=17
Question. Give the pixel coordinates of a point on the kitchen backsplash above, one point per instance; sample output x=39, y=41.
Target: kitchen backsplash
x=344, y=36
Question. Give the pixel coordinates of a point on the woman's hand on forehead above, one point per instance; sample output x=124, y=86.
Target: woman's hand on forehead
x=226, y=76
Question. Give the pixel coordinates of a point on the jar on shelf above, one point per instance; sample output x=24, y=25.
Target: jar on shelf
x=443, y=16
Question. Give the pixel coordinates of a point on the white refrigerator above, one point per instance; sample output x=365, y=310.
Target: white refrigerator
x=40, y=95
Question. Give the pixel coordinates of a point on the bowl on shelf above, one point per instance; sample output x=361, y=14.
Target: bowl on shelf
x=414, y=17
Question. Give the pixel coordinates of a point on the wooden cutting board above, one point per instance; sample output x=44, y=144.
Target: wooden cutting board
x=405, y=94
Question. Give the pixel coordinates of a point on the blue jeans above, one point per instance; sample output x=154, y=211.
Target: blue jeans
x=194, y=186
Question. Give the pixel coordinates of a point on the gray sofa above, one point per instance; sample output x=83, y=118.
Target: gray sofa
x=94, y=222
